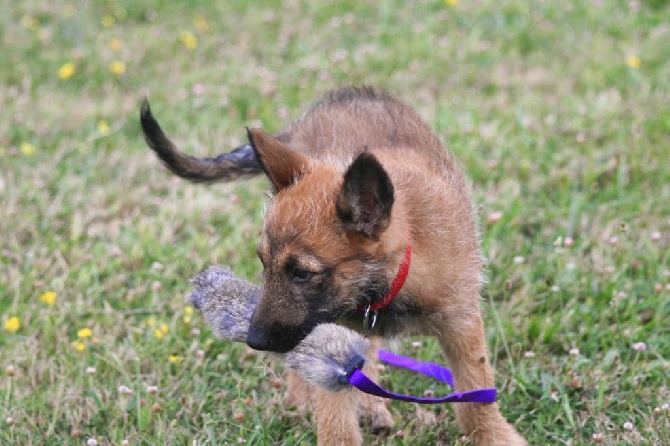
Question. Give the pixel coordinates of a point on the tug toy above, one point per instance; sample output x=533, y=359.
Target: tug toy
x=331, y=356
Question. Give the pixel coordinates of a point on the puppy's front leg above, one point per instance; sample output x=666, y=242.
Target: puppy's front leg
x=463, y=341
x=337, y=418
x=373, y=408
x=298, y=392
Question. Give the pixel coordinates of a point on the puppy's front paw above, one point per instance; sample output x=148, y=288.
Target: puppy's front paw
x=375, y=414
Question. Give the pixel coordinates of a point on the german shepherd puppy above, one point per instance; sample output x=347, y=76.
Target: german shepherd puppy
x=362, y=188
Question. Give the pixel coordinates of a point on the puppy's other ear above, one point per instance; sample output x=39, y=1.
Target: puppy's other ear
x=282, y=164
x=366, y=198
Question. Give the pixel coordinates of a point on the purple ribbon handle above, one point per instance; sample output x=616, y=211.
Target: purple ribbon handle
x=358, y=379
x=431, y=369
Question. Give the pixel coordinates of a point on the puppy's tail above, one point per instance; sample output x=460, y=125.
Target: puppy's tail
x=230, y=166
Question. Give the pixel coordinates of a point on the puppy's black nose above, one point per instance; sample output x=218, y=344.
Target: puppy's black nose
x=258, y=339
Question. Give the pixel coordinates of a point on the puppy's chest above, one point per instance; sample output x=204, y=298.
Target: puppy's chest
x=398, y=319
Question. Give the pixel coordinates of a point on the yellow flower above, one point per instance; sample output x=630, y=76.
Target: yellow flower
x=175, y=359
x=201, y=23
x=115, y=45
x=188, y=310
x=103, y=128
x=12, y=324
x=27, y=148
x=151, y=321
x=66, y=71
x=189, y=40
x=108, y=21
x=451, y=2
x=79, y=346
x=187, y=319
x=117, y=68
x=84, y=333
x=633, y=61
x=29, y=22
x=48, y=298
x=161, y=330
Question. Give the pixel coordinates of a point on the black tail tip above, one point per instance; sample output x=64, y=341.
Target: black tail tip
x=149, y=124
x=145, y=110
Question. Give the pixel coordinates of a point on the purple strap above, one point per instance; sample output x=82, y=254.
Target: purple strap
x=443, y=374
x=431, y=369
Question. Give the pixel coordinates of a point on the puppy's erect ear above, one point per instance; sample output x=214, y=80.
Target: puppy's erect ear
x=365, y=200
x=281, y=164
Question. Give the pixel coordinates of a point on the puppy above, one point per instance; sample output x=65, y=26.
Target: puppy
x=371, y=225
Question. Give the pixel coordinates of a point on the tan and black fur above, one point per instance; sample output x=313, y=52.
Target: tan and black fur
x=354, y=180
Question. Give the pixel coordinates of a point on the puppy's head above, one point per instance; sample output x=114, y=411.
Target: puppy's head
x=323, y=247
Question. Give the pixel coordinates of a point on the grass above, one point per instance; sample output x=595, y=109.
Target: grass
x=557, y=110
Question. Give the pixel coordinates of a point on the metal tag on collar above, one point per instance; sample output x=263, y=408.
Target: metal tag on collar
x=369, y=318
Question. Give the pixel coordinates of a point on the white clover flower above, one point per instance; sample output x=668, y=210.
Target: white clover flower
x=640, y=347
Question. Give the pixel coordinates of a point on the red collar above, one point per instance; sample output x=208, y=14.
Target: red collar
x=397, y=283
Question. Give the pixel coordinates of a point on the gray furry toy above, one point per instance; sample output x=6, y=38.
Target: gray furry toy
x=227, y=304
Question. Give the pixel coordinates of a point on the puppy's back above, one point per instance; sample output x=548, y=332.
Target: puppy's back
x=349, y=120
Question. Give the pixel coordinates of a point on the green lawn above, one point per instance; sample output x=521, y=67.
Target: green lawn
x=559, y=111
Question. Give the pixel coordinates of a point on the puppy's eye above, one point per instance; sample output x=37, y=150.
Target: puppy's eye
x=301, y=275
